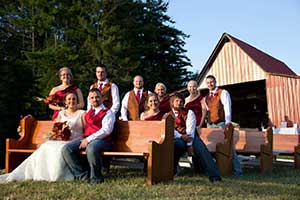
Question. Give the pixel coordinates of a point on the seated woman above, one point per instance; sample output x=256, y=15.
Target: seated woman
x=152, y=111
x=47, y=163
x=56, y=95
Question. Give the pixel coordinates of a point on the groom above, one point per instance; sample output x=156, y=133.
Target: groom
x=99, y=124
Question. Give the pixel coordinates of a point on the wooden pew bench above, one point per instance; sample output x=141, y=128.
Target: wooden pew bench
x=152, y=140
x=219, y=142
x=288, y=144
x=245, y=142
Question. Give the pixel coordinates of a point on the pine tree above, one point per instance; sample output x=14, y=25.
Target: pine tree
x=137, y=37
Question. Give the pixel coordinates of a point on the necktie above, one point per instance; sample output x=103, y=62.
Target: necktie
x=211, y=96
x=137, y=96
x=177, y=119
x=100, y=86
x=93, y=112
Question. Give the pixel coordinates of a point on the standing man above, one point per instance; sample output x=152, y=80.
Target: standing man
x=185, y=138
x=99, y=124
x=109, y=91
x=163, y=97
x=219, y=108
x=133, y=103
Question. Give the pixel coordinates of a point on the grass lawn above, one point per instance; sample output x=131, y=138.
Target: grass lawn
x=125, y=183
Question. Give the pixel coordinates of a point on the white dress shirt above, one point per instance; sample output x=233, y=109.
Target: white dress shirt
x=226, y=101
x=124, y=106
x=107, y=124
x=190, y=126
x=114, y=94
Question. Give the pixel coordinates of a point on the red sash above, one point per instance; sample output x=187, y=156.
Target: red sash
x=196, y=107
x=58, y=98
x=157, y=117
x=164, y=104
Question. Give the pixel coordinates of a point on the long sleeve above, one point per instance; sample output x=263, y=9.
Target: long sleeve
x=226, y=101
x=190, y=125
x=115, y=98
x=124, y=107
x=88, y=105
x=107, y=127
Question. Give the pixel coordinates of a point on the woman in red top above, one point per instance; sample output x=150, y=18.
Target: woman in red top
x=55, y=100
x=152, y=111
x=196, y=103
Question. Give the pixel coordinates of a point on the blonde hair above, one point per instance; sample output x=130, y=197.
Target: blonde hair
x=150, y=95
x=160, y=85
x=65, y=69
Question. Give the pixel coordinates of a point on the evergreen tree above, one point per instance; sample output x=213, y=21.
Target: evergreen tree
x=130, y=36
x=137, y=37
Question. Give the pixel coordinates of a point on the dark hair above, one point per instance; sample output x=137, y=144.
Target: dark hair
x=74, y=92
x=95, y=90
x=211, y=77
x=102, y=66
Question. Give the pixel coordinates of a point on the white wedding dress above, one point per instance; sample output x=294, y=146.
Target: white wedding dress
x=47, y=163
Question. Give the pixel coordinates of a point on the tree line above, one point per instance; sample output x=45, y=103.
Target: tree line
x=40, y=36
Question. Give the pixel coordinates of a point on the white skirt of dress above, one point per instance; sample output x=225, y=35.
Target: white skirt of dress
x=46, y=164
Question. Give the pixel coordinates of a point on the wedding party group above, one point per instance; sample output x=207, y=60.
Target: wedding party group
x=90, y=130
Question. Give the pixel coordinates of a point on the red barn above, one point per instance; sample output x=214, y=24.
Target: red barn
x=261, y=86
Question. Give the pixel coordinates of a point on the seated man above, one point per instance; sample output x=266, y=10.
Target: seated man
x=99, y=124
x=185, y=138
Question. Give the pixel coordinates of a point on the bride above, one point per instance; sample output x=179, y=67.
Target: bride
x=47, y=163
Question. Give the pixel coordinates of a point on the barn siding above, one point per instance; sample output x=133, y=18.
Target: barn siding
x=232, y=65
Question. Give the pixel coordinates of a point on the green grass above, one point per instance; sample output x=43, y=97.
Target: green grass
x=124, y=183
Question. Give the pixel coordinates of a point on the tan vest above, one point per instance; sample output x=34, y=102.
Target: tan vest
x=134, y=109
x=216, y=109
x=106, y=94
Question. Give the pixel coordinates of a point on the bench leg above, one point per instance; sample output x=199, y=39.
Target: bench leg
x=224, y=164
x=266, y=158
x=224, y=159
x=160, y=164
x=13, y=160
x=297, y=157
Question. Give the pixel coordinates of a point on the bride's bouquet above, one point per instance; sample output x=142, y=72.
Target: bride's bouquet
x=51, y=99
x=60, y=131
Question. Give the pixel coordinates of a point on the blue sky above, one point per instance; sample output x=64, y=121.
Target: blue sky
x=272, y=26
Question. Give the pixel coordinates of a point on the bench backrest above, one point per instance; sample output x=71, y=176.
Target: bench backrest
x=250, y=141
x=286, y=142
x=134, y=136
x=40, y=131
x=211, y=136
x=32, y=132
x=244, y=141
x=129, y=136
